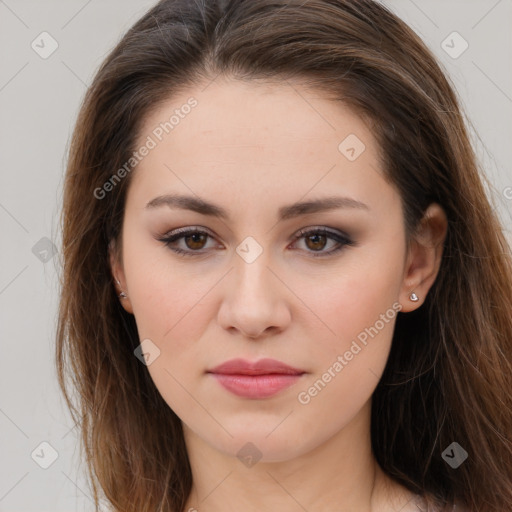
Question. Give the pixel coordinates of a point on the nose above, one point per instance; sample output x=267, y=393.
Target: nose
x=254, y=301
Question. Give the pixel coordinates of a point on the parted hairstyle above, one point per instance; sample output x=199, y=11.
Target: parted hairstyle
x=449, y=373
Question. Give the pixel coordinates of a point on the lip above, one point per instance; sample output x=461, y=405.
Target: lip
x=261, y=367
x=256, y=380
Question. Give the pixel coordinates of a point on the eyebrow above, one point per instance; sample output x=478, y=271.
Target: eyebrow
x=285, y=212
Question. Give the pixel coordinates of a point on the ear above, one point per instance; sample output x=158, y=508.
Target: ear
x=116, y=268
x=424, y=257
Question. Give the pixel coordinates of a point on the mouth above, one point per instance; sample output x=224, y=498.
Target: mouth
x=256, y=380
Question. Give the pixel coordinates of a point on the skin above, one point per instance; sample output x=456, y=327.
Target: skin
x=252, y=148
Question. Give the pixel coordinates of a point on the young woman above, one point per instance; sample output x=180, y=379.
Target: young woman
x=284, y=287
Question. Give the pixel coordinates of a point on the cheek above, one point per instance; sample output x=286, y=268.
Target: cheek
x=165, y=295
x=361, y=325
x=353, y=298
x=349, y=364
x=171, y=309
x=360, y=306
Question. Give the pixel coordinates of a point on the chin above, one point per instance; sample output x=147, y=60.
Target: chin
x=260, y=443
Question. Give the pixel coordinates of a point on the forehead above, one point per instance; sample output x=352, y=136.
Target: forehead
x=258, y=138
x=232, y=114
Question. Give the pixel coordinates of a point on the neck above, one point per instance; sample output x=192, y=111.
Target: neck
x=339, y=474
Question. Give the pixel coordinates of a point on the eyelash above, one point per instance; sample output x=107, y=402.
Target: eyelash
x=342, y=239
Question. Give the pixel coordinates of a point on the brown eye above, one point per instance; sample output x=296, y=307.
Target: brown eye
x=316, y=242
x=196, y=241
x=192, y=241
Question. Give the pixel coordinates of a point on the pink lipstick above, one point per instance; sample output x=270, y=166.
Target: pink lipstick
x=260, y=379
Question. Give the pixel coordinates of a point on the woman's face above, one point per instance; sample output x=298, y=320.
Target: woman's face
x=250, y=285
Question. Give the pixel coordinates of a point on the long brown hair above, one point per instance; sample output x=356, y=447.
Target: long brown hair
x=449, y=374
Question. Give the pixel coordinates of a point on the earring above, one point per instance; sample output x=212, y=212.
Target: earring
x=413, y=297
x=122, y=295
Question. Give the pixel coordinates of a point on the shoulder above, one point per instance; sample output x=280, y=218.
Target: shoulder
x=418, y=504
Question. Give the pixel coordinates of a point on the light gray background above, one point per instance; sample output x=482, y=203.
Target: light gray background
x=39, y=100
